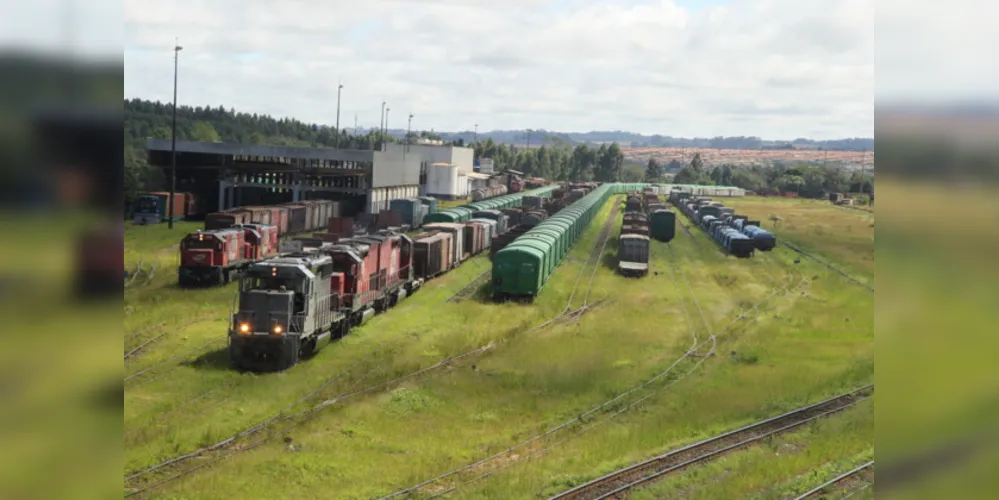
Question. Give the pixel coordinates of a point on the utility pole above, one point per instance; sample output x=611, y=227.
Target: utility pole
x=355, y=124
x=528, y=139
x=409, y=131
x=173, y=138
x=338, y=90
x=381, y=127
x=476, y=136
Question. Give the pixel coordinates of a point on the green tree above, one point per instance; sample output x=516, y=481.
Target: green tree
x=652, y=170
x=204, y=132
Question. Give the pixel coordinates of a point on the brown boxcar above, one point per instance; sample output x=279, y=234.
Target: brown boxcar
x=427, y=256
x=260, y=214
x=457, y=240
x=227, y=218
x=472, y=234
x=298, y=221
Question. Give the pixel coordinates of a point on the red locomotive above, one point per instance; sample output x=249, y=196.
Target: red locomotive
x=291, y=306
x=213, y=257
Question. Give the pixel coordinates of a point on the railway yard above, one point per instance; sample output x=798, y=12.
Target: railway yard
x=710, y=376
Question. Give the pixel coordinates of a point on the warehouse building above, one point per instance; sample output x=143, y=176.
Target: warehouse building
x=225, y=175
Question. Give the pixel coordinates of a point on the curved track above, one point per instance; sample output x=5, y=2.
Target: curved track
x=618, y=484
x=251, y=437
x=592, y=417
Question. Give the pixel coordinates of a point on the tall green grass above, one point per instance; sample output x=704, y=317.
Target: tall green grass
x=803, y=347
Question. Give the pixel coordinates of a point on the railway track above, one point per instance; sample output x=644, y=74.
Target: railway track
x=620, y=483
x=469, y=290
x=174, y=468
x=591, y=418
x=683, y=366
x=827, y=264
x=848, y=483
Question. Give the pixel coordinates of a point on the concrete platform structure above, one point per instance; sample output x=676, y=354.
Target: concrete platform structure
x=225, y=175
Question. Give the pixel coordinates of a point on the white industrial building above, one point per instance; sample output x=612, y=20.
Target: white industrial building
x=447, y=169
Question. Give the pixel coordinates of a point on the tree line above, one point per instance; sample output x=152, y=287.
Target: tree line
x=145, y=119
x=810, y=181
x=581, y=163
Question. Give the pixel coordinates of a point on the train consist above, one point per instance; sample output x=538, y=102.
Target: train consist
x=320, y=287
x=738, y=235
x=645, y=216
x=481, y=194
x=633, y=241
x=522, y=269
x=234, y=239
x=153, y=208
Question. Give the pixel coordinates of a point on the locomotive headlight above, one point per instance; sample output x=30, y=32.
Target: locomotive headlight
x=278, y=330
x=244, y=328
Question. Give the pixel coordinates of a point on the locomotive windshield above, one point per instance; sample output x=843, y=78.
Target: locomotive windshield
x=271, y=283
x=201, y=244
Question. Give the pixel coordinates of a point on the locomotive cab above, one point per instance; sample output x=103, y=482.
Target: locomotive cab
x=284, y=310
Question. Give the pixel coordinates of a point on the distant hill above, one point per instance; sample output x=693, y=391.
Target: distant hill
x=634, y=140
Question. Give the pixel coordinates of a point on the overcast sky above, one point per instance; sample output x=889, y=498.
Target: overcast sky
x=772, y=68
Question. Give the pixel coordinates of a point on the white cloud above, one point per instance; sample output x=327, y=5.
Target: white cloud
x=773, y=68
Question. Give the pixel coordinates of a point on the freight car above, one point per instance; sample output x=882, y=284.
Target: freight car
x=465, y=212
x=481, y=194
x=662, y=224
x=633, y=244
x=762, y=239
x=522, y=268
x=215, y=256
x=290, y=218
x=722, y=224
x=633, y=255
x=153, y=208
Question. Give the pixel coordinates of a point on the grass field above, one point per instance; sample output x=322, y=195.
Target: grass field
x=811, y=337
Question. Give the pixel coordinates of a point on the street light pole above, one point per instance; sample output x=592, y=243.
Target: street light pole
x=338, y=89
x=386, y=120
x=173, y=139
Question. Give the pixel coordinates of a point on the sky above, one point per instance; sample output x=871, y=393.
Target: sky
x=778, y=69
x=770, y=68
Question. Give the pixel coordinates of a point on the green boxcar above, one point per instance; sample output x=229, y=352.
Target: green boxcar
x=543, y=247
